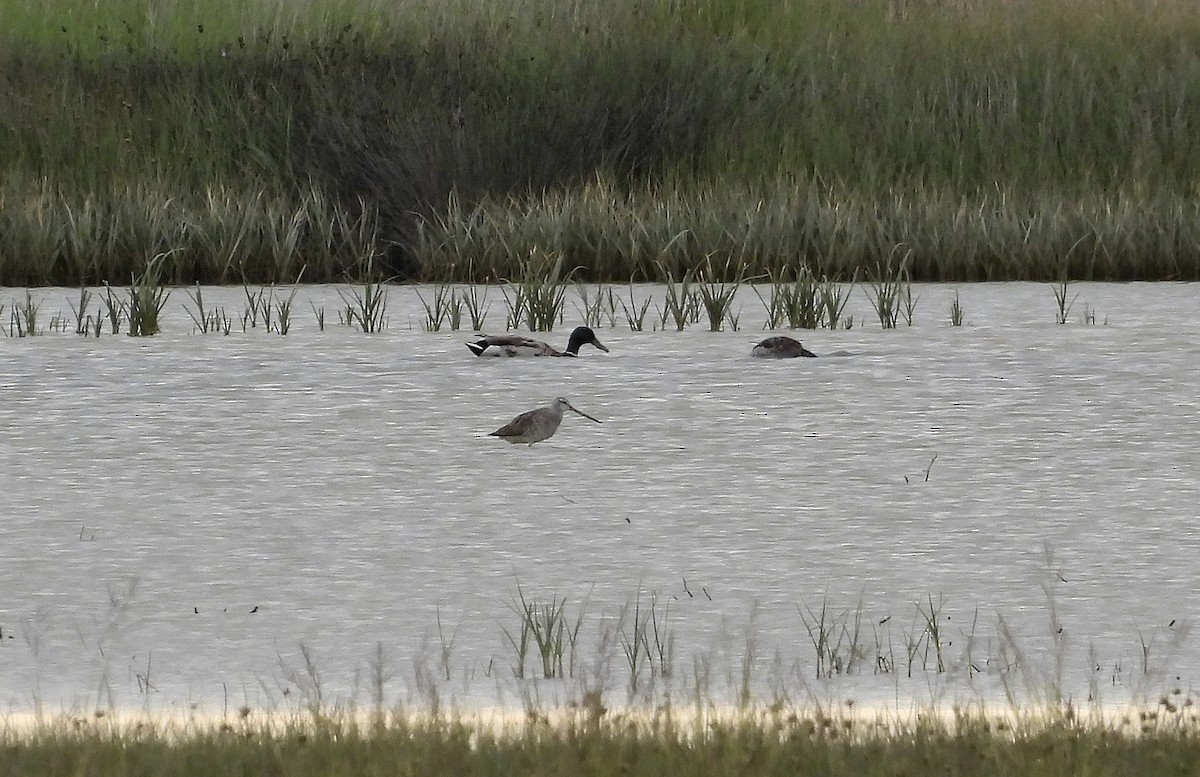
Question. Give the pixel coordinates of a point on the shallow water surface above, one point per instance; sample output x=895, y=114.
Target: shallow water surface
x=182, y=513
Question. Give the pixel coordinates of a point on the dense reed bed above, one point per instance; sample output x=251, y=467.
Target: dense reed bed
x=446, y=141
x=668, y=742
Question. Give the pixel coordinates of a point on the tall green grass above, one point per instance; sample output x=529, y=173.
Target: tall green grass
x=993, y=139
x=667, y=742
x=780, y=227
x=668, y=724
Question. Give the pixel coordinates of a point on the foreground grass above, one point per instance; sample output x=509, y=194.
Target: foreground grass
x=439, y=140
x=666, y=743
x=567, y=714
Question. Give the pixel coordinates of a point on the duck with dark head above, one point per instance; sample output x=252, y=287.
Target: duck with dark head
x=516, y=345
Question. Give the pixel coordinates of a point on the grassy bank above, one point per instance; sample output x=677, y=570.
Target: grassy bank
x=439, y=140
x=567, y=715
x=669, y=742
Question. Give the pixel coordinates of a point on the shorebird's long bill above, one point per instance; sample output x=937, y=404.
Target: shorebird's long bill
x=585, y=415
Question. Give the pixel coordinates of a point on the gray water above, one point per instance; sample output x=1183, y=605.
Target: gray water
x=190, y=510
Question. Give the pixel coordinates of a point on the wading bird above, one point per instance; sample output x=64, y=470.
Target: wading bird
x=780, y=347
x=537, y=425
x=515, y=345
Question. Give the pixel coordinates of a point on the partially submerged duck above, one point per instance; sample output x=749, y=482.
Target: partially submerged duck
x=537, y=425
x=515, y=345
x=780, y=347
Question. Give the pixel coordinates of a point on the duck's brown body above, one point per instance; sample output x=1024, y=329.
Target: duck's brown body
x=780, y=347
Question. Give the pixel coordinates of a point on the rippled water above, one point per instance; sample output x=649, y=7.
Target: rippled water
x=195, y=508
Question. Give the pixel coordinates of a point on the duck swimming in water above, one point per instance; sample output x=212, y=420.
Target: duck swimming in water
x=537, y=425
x=515, y=345
x=780, y=347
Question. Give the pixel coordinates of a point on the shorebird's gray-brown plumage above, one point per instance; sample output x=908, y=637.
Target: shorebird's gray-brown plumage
x=516, y=345
x=537, y=425
x=780, y=347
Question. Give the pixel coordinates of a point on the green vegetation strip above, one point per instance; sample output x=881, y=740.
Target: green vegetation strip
x=583, y=744
x=448, y=140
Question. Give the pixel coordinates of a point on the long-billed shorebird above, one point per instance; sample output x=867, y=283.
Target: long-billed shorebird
x=537, y=425
x=780, y=347
x=515, y=345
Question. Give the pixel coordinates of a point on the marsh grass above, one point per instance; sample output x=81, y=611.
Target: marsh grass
x=798, y=742
x=438, y=311
x=205, y=320
x=1038, y=728
x=546, y=627
x=681, y=303
x=58, y=323
x=798, y=302
x=88, y=227
x=82, y=319
x=266, y=307
x=823, y=132
x=596, y=306
x=445, y=644
x=837, y=231
x=956, y=311
x=23, y=317
x=717, y=296
x=307, y=680
x=891, y=288
x=931, y=618
x=516, y=306
x=804, y=302
x=539, y=291
x=833, y=298
x=634, y=311
x=773, y=307
x=115, y=309
x=255, y=304
x=835, y=637
x=840, y=647
x=147, y=297
x=647, y=641
x=454, y=310
x=262, y=304
x=1063, y=299
x=365, y=307
x=908, y=303
x=283, y=312
x=476, y=306
x=28, y=316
